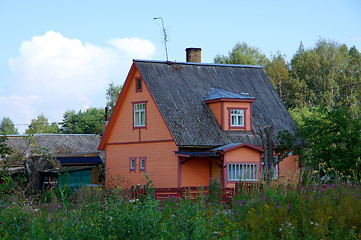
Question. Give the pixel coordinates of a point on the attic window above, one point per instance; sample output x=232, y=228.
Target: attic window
x=139, y=110
x=138, y=84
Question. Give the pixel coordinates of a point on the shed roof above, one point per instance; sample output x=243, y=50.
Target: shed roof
x=179, y=90
x=57, y=143
x=231, y=146
x=198, y=154
x=79, y=160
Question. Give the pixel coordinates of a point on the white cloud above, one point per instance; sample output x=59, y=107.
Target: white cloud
x=143, y=49
x=66, y=74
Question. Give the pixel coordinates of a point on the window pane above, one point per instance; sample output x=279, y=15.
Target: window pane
x=136, y=118
x=142, y=118
x=139, y=84
x=229, y=172
x=237, y=171
x=241, y=172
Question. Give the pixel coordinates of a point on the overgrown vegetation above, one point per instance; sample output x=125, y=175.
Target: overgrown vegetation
x=309, y=211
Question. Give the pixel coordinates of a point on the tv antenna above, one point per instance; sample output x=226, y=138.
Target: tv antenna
x=165, y=36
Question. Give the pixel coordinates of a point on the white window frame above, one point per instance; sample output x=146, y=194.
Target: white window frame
x=237, y=117
x=242, y=172
x=132, y=164
x=142, y=163
x=139, y=115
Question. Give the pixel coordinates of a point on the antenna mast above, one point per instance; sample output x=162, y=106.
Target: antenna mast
x=165, y=36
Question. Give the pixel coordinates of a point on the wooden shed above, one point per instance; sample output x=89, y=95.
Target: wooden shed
x=73, y=177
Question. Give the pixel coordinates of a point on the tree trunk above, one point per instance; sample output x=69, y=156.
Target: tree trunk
x=268, y=147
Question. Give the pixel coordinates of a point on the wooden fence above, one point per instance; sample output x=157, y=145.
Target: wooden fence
x=226, y=194
x=248, y=188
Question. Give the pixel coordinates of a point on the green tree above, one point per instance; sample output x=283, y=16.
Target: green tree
x=41, y=125
x=7, y=127
x=87, y=122
x=5, y=150
x=243, y=54
x=330, y=73
x=333, y=140
x=112, y=96
x=277, y=71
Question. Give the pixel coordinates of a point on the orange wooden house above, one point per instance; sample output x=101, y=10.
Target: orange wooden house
x=184, y=123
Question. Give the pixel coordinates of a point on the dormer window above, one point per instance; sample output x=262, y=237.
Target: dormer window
x=237, y=117
x=233, y=111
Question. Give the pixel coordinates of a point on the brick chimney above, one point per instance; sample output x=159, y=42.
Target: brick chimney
x=194, y=55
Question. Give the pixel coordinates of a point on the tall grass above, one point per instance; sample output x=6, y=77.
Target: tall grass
x=310, y=212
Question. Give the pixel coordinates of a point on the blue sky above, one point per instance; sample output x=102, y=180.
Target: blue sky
x=57, y=55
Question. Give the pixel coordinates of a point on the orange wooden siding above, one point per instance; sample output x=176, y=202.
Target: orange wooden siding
x=241, y=155
x=123, y=131
x=195, y=172
x=216, y=169
x=154, y=142
x=161, y=164
x=289, y=169
x=216, y=108
x=246, y=105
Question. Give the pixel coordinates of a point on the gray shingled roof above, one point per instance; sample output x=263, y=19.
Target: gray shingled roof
x=179, y=90
x=58, y=143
